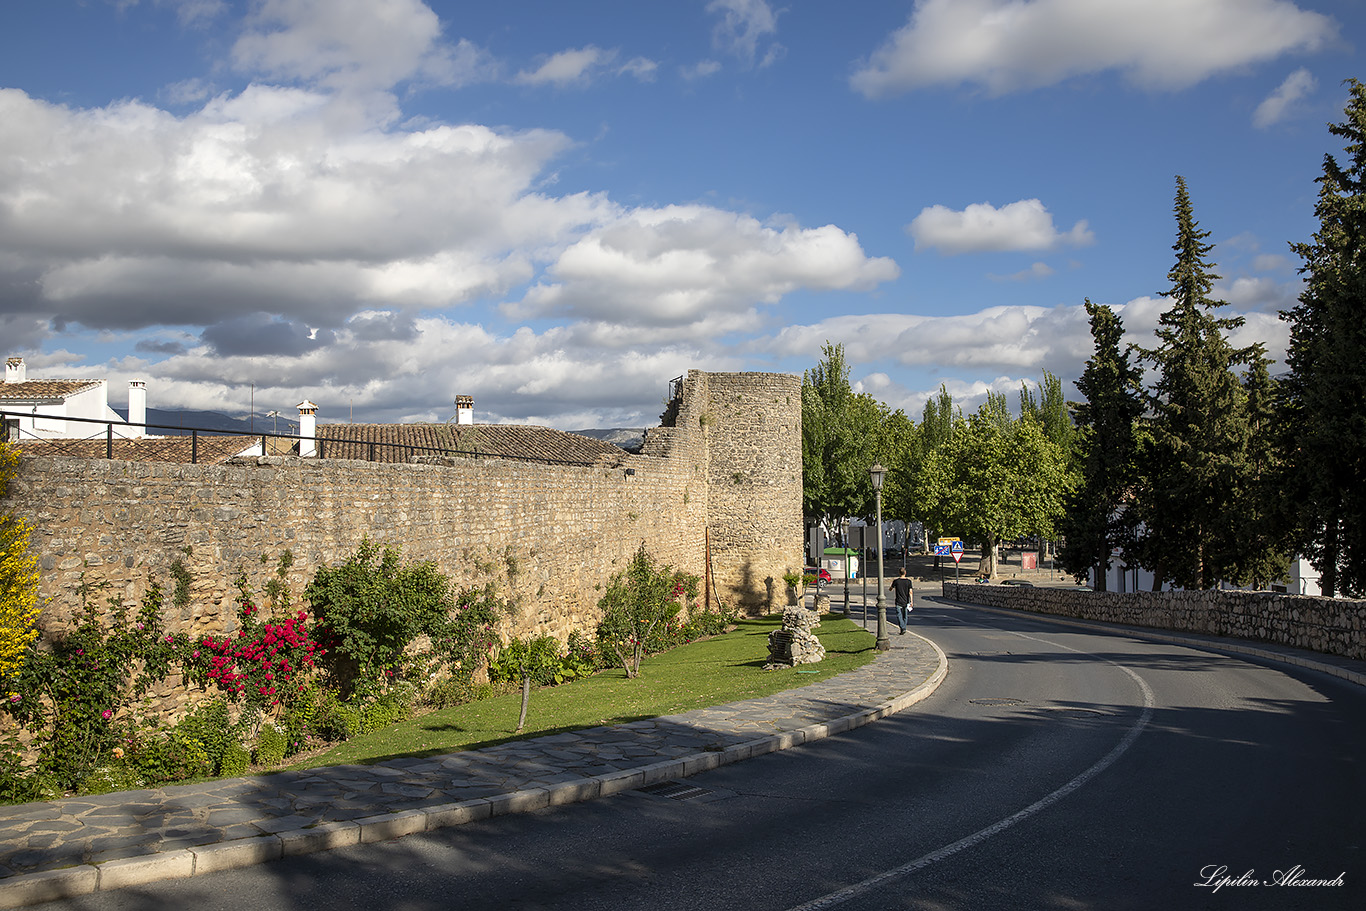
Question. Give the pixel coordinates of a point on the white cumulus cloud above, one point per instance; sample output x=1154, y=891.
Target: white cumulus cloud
x=677, y=265
x=981, y=227
x=1279, y=104
x=355, y=45
x=1006, y=46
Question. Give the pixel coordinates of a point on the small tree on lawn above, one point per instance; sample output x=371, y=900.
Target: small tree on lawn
x=640, y=600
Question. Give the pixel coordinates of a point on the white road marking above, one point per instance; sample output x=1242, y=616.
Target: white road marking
x=976, y=838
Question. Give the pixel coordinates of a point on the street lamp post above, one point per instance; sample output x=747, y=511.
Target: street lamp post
x=883, y=643
x=846, y=566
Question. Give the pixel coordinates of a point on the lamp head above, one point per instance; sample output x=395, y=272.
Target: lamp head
x=878, y=473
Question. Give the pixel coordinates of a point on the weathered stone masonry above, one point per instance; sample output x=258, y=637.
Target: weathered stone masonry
x=549, y=536
x=1327, y=625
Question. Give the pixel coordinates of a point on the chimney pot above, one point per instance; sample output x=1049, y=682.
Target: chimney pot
x=15, y=371
x=308, y=428
x=137, y=407
x=464, y=409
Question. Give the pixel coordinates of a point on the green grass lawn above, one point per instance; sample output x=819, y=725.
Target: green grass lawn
x=723, y=669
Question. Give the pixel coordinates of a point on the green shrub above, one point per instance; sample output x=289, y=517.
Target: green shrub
x=235, y=761
x=371, y=607
x=369, y=709
x=453, y=691
x=73, y=693
x=581, y=658
x=271, y=744
x=167, y=757
x=465, y=643
x=210, y=725
x=111, y=778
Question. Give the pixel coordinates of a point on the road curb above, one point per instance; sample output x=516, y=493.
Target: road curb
x=28, y=889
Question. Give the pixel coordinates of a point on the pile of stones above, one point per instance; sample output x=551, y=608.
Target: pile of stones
x=795, y=643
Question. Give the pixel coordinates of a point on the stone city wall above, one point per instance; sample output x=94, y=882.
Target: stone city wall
x=1328, y=625
x=547, y=536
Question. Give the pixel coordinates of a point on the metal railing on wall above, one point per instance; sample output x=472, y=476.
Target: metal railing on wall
x=11, y=424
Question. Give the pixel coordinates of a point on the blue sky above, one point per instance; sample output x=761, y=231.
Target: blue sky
x=557, y=207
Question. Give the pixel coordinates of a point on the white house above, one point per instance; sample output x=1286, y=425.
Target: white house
x=1301, y=578
x=36, y=407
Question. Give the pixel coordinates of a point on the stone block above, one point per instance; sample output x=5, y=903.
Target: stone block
x=137, y=871
x=31, y=889
x=523, y=801
x=319, y=838
x=233, y=855
x=389, y=826
x=574, y=791
x=457, y=814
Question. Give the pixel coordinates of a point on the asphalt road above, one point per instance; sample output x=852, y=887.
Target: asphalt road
x=1056, y=768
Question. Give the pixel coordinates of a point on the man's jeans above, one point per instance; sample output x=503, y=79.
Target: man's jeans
x=903, y=616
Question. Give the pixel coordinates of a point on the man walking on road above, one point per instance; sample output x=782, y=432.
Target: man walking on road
x=901, y=586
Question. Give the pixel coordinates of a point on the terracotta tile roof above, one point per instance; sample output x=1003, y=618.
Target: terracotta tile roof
x=400, y=442
x=212, y=448
x=43, y=390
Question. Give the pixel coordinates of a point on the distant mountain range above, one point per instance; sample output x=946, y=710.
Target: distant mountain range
x=179, y=423
x=629, y=438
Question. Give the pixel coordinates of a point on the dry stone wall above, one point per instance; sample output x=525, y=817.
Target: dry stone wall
x=1328, y=625
x=547, y=536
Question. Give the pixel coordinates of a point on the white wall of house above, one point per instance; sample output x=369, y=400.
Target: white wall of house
x=1302, y=579
x=43, y=418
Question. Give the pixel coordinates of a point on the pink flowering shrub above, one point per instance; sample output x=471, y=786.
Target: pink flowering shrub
x=266, y=664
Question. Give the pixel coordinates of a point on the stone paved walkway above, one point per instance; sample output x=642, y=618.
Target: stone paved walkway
x=79, y=845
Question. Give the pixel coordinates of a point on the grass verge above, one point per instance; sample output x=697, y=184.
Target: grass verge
x=723, y=669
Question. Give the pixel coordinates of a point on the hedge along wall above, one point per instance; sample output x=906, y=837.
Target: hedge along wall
x=548, y=536
x=1328, y=625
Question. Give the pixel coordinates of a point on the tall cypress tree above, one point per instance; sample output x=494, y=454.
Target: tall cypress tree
x=1096, y=518
x=1198, y=430
x=1325, y=390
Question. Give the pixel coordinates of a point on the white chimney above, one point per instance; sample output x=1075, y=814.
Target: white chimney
x=137, y=407
x=15, y=371
x=308, y=428
x=464, y=409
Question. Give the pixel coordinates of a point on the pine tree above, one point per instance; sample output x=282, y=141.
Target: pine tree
x=1198, y=429
x=1325, y=390
x=1096, y=519
x=1258, y=516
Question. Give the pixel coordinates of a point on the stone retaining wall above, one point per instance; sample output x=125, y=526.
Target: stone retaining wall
x=1328, y=625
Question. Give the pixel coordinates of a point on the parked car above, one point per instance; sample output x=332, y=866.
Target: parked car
x=822, y=575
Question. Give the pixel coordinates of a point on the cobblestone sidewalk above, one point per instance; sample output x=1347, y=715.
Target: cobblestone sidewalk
x=75, y=846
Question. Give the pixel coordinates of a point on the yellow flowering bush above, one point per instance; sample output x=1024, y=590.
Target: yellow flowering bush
x=18, y=582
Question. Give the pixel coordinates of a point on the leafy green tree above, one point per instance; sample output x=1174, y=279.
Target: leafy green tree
x=1325, y=390
x=843, y=434
x=639, y=600
x=1049, y=409
x=1199, y=430
x=1096, y=519
x=995, y=478
x=829, y=449
x=897, y=453
x=906, y=465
